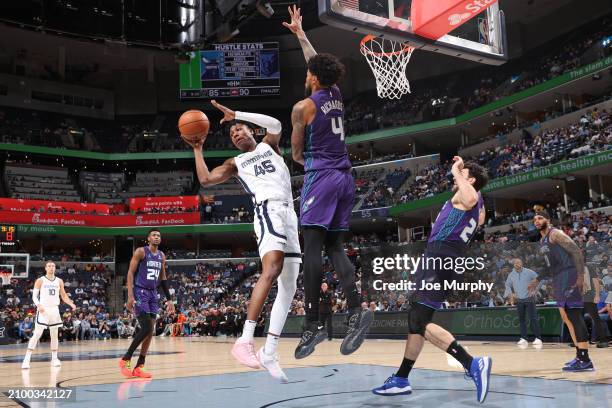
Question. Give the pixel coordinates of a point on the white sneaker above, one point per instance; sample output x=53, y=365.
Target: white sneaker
x=522, y=342
x=56, y=363
x=537, y=343
x=271, y=364
x=25, y=365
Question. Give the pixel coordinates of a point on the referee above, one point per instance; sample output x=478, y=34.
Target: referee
x=517, y=282
x=325, y=310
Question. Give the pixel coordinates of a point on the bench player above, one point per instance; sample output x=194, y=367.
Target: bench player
x=264, y=175
x=46, y=296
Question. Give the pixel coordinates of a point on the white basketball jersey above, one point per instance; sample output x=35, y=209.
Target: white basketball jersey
x=50, y=292
x=264, y=174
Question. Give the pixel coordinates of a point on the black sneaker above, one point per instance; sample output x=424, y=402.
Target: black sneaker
x=602, y=344
x=359, y=322
x=312, y=334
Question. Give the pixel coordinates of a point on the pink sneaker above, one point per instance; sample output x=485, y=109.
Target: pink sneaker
x=244, y=352
x=271, y=364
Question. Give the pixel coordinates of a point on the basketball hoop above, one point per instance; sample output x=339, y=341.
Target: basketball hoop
x=388, y=60
x=6, y=277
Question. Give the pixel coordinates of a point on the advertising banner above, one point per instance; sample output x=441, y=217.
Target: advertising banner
x=146, y=204
x=99, y=220
x=17, y=204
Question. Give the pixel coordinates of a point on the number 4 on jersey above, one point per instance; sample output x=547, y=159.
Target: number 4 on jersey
x=338, y=127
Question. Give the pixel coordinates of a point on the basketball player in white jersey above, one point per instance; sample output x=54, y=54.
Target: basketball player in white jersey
x=264, y=175
x=46, y=296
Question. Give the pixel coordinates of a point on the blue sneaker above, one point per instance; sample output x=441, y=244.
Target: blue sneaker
x=579, y=365
x=480, y=371
x=569, y=363
x=394, y=386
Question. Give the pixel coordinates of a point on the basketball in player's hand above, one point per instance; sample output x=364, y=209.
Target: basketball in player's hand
x=193, y=126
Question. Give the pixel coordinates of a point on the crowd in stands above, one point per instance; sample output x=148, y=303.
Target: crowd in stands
x=86, y=285
x=591, y=134
x=220, y=214
x=212, y=296
x=382, y=193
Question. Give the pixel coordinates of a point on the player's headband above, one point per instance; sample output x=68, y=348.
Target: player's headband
x=543, y=213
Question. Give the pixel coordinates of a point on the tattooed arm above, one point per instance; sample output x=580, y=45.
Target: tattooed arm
x=296, y=28
x=568, y=244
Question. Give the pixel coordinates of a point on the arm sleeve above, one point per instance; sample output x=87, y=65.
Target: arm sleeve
x=35, y=296
x=271, y=124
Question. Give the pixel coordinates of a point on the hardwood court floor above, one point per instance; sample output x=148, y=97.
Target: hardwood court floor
x=89, y=363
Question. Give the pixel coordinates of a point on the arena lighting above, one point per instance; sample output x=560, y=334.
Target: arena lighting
x=264, y=8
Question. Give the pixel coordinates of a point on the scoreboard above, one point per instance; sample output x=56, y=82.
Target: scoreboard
x=231, y=70
x=8, y=235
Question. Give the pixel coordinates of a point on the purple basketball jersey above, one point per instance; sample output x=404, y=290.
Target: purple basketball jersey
x=148, y=270
x=325, y=147
x=454, y=225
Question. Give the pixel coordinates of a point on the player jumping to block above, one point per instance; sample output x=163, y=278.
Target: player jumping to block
x=450, y=236
x=46, y=296
x=264, y=175
x=328, y=194
x=147, y=269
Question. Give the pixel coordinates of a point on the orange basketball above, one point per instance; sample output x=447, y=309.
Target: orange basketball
x=193, y=126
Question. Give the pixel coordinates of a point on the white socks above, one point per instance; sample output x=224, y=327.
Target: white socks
x=271, y=345
x=248, y=331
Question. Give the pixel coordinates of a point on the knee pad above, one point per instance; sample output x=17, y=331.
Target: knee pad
x=419, y=316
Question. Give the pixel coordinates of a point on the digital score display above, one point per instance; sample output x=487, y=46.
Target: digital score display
x=8, y=235
x=232, y=70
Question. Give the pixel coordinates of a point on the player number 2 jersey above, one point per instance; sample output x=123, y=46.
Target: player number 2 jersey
x=50, y=292
x=264, y=174
x=454, y=225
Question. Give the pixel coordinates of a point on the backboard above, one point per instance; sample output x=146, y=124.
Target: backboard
x=481, y=38
x=18, y=264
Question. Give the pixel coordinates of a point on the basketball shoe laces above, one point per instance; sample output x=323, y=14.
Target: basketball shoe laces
x=307, y=335
x=353, y=322
x=467, y=376
x=251, y=348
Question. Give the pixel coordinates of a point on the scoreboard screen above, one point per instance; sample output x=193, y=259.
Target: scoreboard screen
x=231, y=70
x=8, y=235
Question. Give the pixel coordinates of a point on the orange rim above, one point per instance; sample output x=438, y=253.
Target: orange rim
x=370, y=37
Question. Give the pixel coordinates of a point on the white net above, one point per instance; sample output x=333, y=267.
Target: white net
x=388, y=60
x=6, y=273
